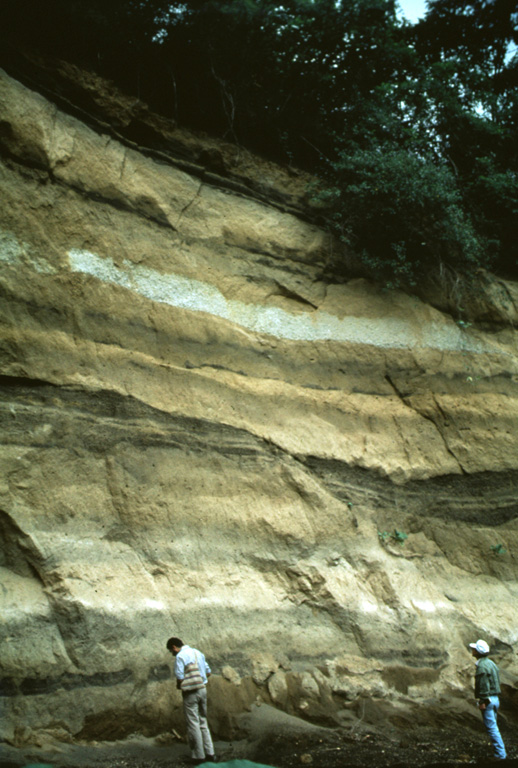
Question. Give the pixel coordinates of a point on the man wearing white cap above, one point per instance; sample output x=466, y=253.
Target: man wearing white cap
x=487, y=691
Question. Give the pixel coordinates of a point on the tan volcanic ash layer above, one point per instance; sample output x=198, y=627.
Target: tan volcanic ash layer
x=202, y=437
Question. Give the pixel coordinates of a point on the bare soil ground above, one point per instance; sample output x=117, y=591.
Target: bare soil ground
x=417, y=748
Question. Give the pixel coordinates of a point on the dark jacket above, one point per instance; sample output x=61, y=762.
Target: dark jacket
x=487, y=679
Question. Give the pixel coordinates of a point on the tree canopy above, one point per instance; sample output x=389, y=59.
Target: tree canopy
x=411, y=129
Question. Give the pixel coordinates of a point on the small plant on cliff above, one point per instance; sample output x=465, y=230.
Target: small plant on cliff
x=498, y=549
x=399, y=536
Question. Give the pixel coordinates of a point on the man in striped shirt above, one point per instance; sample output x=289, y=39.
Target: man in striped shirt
x=192, y=672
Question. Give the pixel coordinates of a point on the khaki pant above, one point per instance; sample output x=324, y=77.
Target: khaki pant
x=195, y=709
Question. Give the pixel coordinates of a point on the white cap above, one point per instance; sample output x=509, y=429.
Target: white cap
x=480, y=646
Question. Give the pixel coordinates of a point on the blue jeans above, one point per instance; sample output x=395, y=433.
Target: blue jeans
x=489, y=717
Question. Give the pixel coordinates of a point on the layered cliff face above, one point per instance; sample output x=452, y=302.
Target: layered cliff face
x=313, y=481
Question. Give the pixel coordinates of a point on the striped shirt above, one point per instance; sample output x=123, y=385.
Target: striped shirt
x=188, y=655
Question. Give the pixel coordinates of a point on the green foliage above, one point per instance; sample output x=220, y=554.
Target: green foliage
x=398, y=537
x=498, y=549
x=475, y=111
x=402, y=213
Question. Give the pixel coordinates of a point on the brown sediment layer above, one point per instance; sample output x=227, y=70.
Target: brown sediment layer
x=204, y=434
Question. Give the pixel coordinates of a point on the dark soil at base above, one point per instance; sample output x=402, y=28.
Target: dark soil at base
x=417, y=748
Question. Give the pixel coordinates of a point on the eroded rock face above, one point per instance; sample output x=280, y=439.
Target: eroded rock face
x=315, y=483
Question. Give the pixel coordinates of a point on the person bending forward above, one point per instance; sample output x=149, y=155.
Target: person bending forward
x=192, y=672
